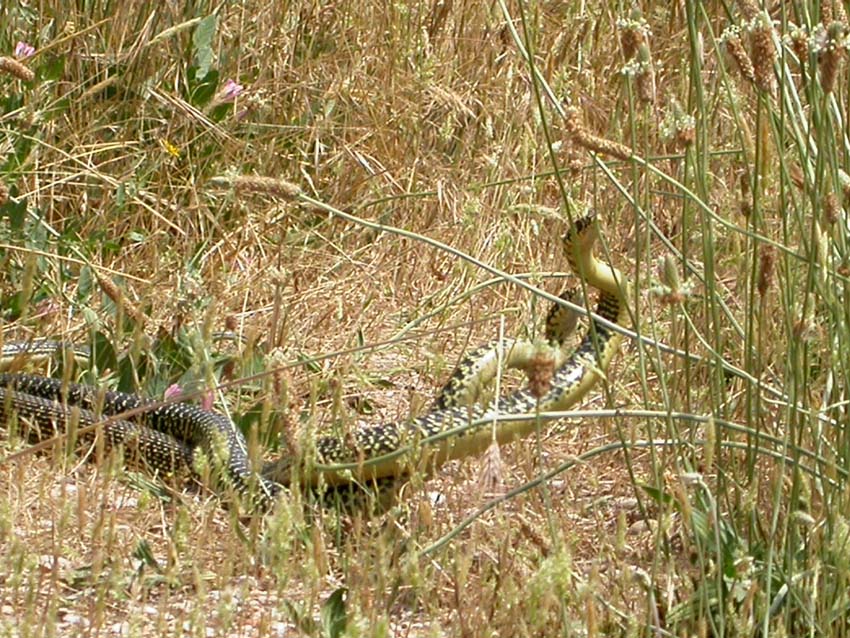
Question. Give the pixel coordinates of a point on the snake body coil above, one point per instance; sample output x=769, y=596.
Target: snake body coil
x=163, y=435
x=166, y=435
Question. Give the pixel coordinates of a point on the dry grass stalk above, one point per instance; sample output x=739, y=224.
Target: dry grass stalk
x=745, y=202
x=4, y=193
x=15, y=68
x=710, y=436
x=331, y=119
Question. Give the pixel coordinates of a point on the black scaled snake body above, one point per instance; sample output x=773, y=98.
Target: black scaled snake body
x=165, y=436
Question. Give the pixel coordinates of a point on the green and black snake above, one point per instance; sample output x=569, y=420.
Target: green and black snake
x=166, y=436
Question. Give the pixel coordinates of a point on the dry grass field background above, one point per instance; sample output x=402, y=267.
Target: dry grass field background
x=711, y=138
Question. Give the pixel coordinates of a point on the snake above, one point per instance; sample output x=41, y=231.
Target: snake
x=170, y=435
x=480, y=366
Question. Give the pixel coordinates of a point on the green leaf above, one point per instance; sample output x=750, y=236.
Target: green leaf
x=333, y=614
x=300, y=618
x=15, y=211
x=103, y=353
x=144, y=553
x=203, y=87
x=12, y=103
x=202, y=41
x=51, y=69
x=309, y=363
x=12, y=307
x=659, y=496
x=129, y=370
x=85, y=285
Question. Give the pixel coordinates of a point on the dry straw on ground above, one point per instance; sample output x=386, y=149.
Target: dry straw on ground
x=425, y=117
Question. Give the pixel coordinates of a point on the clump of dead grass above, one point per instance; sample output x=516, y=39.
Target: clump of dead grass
x=424, y=119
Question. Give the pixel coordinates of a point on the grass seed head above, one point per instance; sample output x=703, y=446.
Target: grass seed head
x=767, y=262
x=749, y=9
x=799, y=40
x=735, y=48
x=678, y=126
x=832, y=45
x=839, y=14
x=831, y=209
x=492, y=474
x=826, y=15
x=645, y=78
x=245, y=184
x=120, y=299
x=763, y=53
x=541, y=369
x=582, y=137
x=15, y=68
x=634, y=33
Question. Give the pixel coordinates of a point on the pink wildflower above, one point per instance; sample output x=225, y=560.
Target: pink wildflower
x=24, y=50
x=172, y=391
x=207, y=400
x=230, y=91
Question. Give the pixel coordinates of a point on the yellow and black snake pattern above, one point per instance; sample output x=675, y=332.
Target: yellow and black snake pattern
x=479, y=366
x=167, y=435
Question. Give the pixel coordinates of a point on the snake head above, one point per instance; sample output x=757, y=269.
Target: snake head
x=582, y=234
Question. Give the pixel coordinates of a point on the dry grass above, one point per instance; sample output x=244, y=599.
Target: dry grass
x=424, y=117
